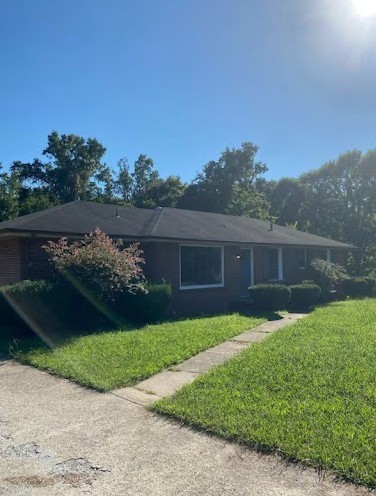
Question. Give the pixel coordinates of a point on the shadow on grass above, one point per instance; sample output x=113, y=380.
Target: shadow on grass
x=25, y=340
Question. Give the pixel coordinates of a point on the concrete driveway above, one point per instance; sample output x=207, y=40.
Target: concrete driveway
x=57, y=438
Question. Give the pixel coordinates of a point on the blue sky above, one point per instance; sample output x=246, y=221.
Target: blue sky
x=180, y=80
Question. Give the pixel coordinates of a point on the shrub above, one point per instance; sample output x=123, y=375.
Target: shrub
x=270, y=296
x=21, y=304
x=371, y=286
x=98, y=264
x=359, y=286
x=145, y=307
x=304, y=296
x=52, y=310
x=328, y=276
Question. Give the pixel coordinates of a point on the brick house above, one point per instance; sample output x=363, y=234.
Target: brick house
x=209, y=259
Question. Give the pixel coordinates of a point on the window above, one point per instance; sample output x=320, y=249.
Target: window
x=272, y=261
x=317, y=253
x=201, y=266
x=301, y=257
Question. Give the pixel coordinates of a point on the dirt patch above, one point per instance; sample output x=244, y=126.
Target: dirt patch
x=73, y=472
x=30, y=480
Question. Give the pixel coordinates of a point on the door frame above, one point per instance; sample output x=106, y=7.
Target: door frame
x=249, y=249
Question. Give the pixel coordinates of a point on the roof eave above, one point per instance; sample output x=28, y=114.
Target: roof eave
x=27, y=233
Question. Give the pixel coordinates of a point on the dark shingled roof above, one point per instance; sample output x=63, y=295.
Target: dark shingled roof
x=81, y=217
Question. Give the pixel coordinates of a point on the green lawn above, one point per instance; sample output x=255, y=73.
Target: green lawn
x=110, y=360
x=307, y=392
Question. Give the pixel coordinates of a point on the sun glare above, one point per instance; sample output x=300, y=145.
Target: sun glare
x=365, y=8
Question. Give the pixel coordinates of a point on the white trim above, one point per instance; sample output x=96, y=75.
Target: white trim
x=328, y=254
x=203, y=286
x=252, y=264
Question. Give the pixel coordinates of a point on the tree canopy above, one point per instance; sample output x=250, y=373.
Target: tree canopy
x=229, y=185
x=336, y=200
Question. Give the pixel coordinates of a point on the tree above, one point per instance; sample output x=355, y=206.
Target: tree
x=124, y=182
x=9, y=195
x=287, y=199
x=32, y=200
x=337, y=200
x=69, y=174
x=229, y=185
x=143, y=177
x=144, y=188
x=165, y=192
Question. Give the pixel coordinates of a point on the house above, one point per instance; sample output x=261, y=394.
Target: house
x=209, y=259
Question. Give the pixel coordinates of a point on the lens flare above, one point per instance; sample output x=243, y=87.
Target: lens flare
x=365, y=8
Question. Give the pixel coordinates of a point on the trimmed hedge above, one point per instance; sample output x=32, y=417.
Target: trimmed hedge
x=359, y=286
x=19, y=298
x=55, y=311
x=304, y=296
x=143, y=307
x=270, y=296
x=371, y=285
x=21, y=306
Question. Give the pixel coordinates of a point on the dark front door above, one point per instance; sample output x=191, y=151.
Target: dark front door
x=246, y=270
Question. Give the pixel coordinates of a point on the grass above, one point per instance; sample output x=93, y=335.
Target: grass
x=110, y=360
x=307, y=392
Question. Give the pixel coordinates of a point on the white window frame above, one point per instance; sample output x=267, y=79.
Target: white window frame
x=305, y=264
x=252, y=263
x=203, y=286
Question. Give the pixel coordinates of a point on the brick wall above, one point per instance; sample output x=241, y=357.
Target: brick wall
x=10, y=261
x=26, y=259
x=164, y=264
x=35, y=263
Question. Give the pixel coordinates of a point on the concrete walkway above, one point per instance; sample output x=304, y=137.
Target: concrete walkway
x=169, y=381
x=59, y=439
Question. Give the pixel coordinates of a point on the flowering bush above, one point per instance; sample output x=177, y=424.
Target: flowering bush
x=327, y=275
x=99, y=264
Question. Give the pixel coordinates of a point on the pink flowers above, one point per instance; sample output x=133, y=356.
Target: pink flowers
x=99, y=263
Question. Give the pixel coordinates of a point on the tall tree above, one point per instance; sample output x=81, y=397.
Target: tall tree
x=69, y=172
x=124, y=182
x=229, y=185
x=9, y=195
x=287, y=200
x=143, y=177
x=144, y=188
x=165, y=192
x=337, y=200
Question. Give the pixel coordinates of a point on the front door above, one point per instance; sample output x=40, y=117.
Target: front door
x=246, y=270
